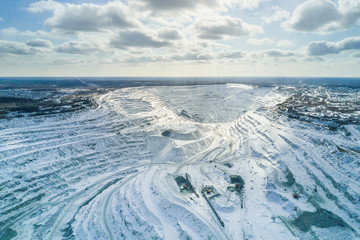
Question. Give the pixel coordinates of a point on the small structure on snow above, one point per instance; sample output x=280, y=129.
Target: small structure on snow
x=210, y=191
x=238, y=183
x=185, y=184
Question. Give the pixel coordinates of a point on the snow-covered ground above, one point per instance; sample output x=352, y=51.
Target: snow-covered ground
x=109, y=172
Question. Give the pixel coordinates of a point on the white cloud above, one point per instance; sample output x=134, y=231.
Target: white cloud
x=168, y=31
x=14, y=48
x=66, y=61
x=218, y=27
x=285, y=43
x=324, y=16
x=250, y=4
x=278, y=53
x=313, y=52
x=192, y=56
x=231, y=54
x=136, y=39
x=40, y=43
x=72, y=61
x=279, y=15
x=182, y=9
x=349, y=5
x=321, y=48
x=42, y=6
x=259, y=42
x=150, y=58
x=170, y=34
x=76, y=47
x=314, y=59
x=1, y=19
x=176, y=5
x=86, y=17
x=179, y=11
x=161, y=5
x=9, y=31
x=13, y=31
x=200, y=45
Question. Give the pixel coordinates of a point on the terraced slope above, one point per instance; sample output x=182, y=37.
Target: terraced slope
x=108, y=171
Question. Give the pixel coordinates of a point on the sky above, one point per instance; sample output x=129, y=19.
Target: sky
x=180, y=38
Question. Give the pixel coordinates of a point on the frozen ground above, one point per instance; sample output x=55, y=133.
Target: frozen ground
x=107, y=171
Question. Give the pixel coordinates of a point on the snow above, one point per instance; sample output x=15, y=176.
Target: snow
x=108, y=173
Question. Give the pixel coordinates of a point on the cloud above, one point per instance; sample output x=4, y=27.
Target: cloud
x=136, y=39
x=279, y=15
x=85, y=17
x=259, y=42
x=144, y=59
x=324, y=16
x=161, y=5
x=76, y=47
x=231, y=54
x=66, y=61
x=1, y=19
x=322, y=48
x=314, y=59
x=9, y=31
x=42, y=6
x=15, y=48
x=192, y=56
x=178, y=7
x=285, y=43
x=356, y=55
x=250, y=4
x=72, y=61
x=278, y=53
x=169, y=34
x=314, y=15
x=40, y=43
x=217, y=28
x=199, y=45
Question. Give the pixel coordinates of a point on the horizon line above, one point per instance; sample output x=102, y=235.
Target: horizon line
x=179, y=77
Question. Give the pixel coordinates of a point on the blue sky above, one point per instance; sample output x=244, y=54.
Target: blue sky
x=180, y=38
